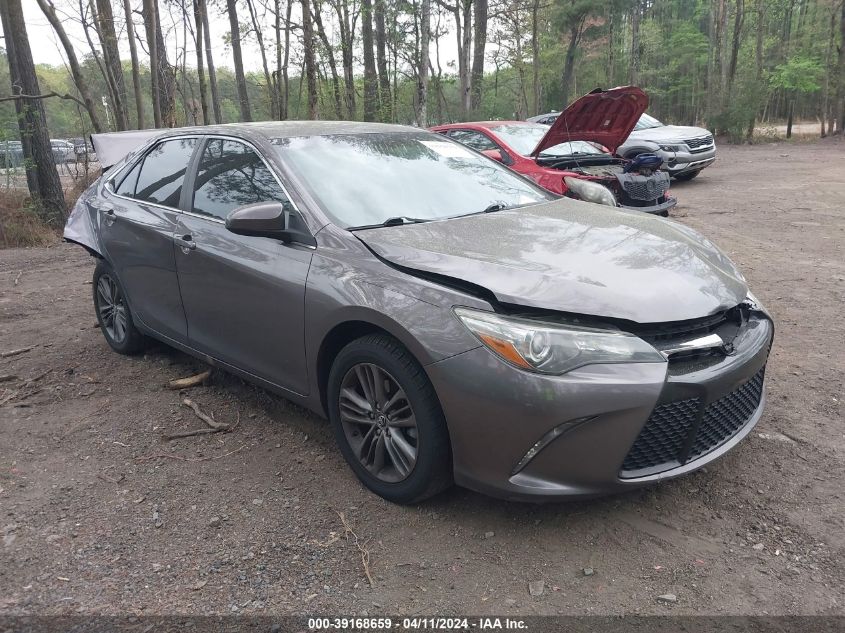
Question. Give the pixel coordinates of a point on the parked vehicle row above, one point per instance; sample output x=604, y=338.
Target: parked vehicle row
x=454, y=320
x=575, y=156
x=64, y=151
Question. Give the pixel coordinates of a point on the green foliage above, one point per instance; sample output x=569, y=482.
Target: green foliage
x=800, y=73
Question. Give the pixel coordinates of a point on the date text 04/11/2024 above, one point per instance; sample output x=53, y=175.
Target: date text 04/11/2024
x=416, y=623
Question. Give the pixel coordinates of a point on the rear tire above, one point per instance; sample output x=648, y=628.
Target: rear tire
x=113, y=313
x=687, y=176
x=387, y=420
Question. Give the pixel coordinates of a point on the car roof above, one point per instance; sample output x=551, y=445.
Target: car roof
x=287, y=129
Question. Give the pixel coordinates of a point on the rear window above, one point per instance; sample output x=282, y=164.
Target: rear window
x=162, y=173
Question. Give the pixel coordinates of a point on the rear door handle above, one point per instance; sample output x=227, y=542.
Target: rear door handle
x=188, y=244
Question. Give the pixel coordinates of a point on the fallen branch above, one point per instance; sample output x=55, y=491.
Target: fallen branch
x=15, y=352
x=365, y=553
x=18, y=278
x=8, y=378
x=208, y=419
x=190, y=381
x=224, y=428
x=146, y=458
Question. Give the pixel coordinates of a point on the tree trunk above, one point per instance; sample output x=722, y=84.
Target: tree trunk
x=370, y=78
x=738, y=21
x=347, y=35
x=535, y=57
x=309, y=61
x=75, y=70
x=840, y=86
x=423, y=64
x=200, y=70
x=259, y=36
x=634, y=65
x=385, y=99
x=209, y=58
x=789, y=115
x=569, y=63
x=42, y=178
x=111, y=57
x=237, y=60
x=477, y=78
x=286, y=62
x=321, y=32
x=136, y=71
x=111, y=90
x=758, y=60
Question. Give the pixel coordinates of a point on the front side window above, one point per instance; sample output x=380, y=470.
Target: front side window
x=163, y=172
x=231, y=175
x=366, y=179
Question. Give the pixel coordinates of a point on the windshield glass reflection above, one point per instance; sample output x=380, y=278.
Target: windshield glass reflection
x=365, y=179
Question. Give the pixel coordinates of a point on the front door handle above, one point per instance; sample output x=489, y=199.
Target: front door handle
x=188, y=244
x=109, y=217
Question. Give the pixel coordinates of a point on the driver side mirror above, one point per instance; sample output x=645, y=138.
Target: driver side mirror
x=270, y=219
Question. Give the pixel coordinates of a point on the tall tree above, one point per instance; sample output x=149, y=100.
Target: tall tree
x=79, y=80
x=209, y=57
x=385, y=100
x=309, y=61
x=237, y=60
x=151, y=27
x=272, y=93
x=634, y=64
x=370, y=78
x=423, y=64
x=840, y=86
x=198, y=40
x=136, y=70
x=480, y=17
x=327, y=47
x=111, y=57
x=42, y=178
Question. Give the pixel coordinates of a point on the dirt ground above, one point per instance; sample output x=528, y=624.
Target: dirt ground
x=99, y=515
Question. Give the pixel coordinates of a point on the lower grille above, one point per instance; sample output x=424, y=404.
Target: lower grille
x=679, y=432
x=639, y=187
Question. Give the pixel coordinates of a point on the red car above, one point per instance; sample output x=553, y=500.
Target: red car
x=574, y=156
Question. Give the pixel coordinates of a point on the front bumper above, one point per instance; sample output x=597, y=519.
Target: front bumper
x=585, y=422
x=685, y=162
x=656, y=209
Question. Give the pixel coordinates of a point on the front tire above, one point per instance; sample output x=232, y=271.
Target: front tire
x=113, y=313
x=387, y=420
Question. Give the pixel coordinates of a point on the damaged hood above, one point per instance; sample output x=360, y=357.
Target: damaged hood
x=572, y=256
x=602, y=116
x=112, y=147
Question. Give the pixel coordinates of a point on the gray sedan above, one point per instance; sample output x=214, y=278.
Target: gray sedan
x=454, y=322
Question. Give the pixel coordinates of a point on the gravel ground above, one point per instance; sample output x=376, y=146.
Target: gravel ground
x=100, y=516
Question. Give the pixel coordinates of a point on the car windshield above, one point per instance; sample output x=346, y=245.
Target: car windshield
x=647, y=122
x=524, y=139
x=365, y=179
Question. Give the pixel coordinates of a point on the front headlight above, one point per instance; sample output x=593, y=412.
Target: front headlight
x=671, y=148
x=549, y=348
x=591, y=191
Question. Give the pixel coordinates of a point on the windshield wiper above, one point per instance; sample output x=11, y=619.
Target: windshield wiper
x=496, y=206
x=395, y=221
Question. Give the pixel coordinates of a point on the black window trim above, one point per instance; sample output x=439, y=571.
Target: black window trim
x=187, y=203
x=142, y=155
x=191, y=171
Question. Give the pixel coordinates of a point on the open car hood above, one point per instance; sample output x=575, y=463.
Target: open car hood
x=602, y=116
x=572, y=256
x=112, y=147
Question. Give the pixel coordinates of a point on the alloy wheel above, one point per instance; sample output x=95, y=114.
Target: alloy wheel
x=112, y=308
x=378, y=422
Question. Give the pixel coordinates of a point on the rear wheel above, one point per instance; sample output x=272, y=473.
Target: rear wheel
x=687, y=176
x=113, y=312
x=387, y=420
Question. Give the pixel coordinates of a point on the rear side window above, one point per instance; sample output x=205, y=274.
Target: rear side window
x=163, y=172
x=473, y=139
x=231, y=175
